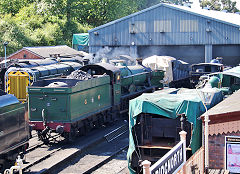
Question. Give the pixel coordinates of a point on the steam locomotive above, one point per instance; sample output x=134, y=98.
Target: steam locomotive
x=70, y=106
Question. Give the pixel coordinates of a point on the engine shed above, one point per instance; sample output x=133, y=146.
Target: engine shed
x=192, y=35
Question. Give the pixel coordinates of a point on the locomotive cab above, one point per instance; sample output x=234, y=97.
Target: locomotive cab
x=115, y=79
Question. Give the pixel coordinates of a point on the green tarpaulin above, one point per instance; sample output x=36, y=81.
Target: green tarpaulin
x=187, y=101
x=80, y=39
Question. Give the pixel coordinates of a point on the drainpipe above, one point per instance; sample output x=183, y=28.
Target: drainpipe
x=206, y=120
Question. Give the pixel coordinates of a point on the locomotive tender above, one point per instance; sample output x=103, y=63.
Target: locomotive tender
x=14, y=129
x=74, y=106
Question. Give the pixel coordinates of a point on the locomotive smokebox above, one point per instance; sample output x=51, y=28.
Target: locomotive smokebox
x=60, y=129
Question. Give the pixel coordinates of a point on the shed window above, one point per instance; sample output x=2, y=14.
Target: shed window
x=188, y=26
x=162, y=26
x=137, y=27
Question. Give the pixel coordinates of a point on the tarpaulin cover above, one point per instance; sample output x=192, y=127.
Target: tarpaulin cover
x=80, y=39
x=174, y=69
x=187, y=101
x=233, y=72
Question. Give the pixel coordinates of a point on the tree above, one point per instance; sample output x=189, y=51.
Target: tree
x=229, y=6
x=220, y=5
x=212, y=4
x=12, y=6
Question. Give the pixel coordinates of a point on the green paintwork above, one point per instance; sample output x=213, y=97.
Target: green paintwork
x=156, y=77
x=13, y=126
x=67, y=104
x=117, y=93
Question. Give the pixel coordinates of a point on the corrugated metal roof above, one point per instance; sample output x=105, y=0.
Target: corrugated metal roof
x=46, y=51
x=229, y=105
x=228, y=18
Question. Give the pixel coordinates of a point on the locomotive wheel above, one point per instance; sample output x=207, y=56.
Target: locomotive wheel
x=70, y=136
x=44, y=137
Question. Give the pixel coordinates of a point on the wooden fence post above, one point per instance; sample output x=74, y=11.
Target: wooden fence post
x=146, y=166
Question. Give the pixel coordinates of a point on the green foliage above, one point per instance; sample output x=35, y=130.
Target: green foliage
x=53, y=22
x=12, y=6
x=228, y=5
x=13, y=33
x=34, y=25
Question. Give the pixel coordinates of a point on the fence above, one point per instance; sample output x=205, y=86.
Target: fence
x=195, y=164
x=172, y=162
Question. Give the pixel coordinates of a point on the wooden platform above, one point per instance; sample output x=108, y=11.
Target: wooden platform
x=218, y=171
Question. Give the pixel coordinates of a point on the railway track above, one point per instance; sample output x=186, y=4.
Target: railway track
x=35, y=143
x=93, y=158
x=44, y=159
x=106, y=161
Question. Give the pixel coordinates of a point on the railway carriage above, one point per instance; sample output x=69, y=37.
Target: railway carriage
x=14, y=129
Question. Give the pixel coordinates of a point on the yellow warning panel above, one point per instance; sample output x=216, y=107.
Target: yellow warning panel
x=17, y=84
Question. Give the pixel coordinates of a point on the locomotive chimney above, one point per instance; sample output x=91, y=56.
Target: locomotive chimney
x=139, y=61
x=85, y=61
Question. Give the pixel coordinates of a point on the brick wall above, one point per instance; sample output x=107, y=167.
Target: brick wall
x=216, y=149
x=20, y=55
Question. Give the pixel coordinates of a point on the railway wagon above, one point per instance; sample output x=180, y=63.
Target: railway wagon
x=14, y=130
x=17, y=79
x=156, y=119
x=78, y=105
